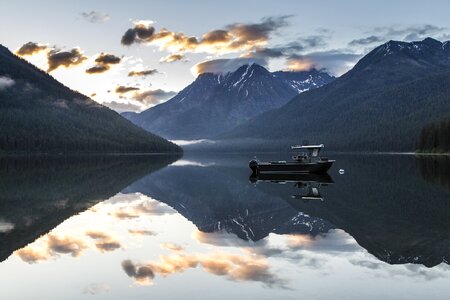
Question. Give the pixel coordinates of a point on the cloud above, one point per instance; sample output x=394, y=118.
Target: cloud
x=172, y=58
x=31, y=48
x=103, y=63
x=366, y=41
x=141, y=31
x=125, y=89
x=107, y=59
x=141, y=232
x=224, y=65
x=57, y=58
x=152, y=97
x=141, y=274
x=172, y=247
x=137, y=73
x=5, y=82
x=65, y=245
x=96, y=288
x=145, y=207
x=334, y=61
x=403, y=33
x=123, y=106
x=31, y=256
x=97, y=69
x=234, y=37
x=95, y=16
x=232, y=266
x=104, y=242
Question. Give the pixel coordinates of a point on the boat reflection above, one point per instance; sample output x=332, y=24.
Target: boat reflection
x=308, y=185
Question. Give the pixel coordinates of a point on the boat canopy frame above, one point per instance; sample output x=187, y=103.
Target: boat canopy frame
x=313, y=150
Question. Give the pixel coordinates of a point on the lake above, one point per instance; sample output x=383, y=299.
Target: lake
x=199, y=227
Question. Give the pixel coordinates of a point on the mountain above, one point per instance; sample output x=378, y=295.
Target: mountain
x=39, y=114
x=379, y=105
x=215, y=103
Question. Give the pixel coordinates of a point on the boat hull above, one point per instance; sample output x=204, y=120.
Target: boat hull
x=291, y=167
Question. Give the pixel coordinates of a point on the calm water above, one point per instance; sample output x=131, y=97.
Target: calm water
x=199, y=228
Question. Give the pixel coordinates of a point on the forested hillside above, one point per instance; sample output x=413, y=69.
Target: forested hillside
x=39, y=114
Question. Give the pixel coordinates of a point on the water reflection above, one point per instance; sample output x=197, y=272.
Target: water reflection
x=308, y=184
x=38, y=193
x=169, y=231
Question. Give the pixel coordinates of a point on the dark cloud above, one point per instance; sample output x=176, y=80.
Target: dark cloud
x=135, y=73
x=225, y=65
x=141, y=32
x=104, y=242
x=97, y=69
x=107, y=59
x=234, y=37
x=139, y=273
x=291, y=48
x=216, y=36
x=257, y=32
x=172, y=58
x=366, y=41
x=121, y=89
x=95, y=16
x=31, y=48
x=103, y=62
x=404, y=33
x=57, y=58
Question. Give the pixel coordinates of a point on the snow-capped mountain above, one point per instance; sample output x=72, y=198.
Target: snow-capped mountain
x=215, y=103
x=380, y=105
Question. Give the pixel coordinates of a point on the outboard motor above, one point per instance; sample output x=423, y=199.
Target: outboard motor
x=253, y=165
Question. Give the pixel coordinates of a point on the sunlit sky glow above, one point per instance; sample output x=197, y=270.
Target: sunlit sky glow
x=171, y=41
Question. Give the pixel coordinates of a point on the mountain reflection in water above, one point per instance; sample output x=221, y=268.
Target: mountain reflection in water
x=202, y=221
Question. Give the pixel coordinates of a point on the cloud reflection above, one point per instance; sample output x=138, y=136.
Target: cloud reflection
x=234, y=267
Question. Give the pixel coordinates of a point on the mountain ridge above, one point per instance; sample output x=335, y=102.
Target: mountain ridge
x=379, y=105
x=214, y=103
x=40, y=114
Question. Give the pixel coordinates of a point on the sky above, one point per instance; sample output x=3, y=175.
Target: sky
x=132, y=55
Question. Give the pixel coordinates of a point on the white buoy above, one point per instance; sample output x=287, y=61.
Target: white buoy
x=341, y=171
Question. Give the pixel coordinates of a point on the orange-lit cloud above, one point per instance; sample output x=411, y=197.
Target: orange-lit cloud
x=152, y=97
x=31, y=255
x=299, y=64
x=141, y=232
x=172, y=58
x=103, y=63
x=232, y=266
x=57, y=58
x=137, y=73
x=125, y=89
x=233, y=38
x=104, y=242
x=65, y=245
x=31, y=48
x=142, y=208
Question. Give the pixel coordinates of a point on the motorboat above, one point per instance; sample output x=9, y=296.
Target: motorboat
x=307, y=161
